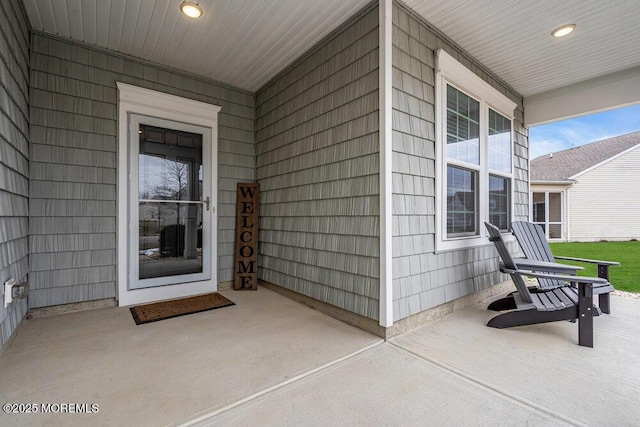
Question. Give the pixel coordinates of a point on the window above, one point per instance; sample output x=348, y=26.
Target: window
x=474, y=156
x=547, y=211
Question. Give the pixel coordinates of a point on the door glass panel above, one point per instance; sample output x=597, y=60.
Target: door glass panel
x=555, y=231
x=555, y=207
x=539, y=208
x=169, y=201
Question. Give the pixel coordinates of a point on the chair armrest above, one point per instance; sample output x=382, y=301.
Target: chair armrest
x=591, y=261
x=553, y=267
x=577, y=279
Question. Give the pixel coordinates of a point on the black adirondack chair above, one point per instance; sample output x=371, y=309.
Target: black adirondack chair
x=535, y=246
x=563, y=303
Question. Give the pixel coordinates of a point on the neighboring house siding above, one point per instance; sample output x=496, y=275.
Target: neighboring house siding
x=14, y=159
x=605, y=202
x=423, y=279
x=73, y=164
x=318, y=168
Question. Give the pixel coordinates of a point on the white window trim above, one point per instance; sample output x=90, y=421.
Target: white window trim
x=138, y=100
x=449, y=70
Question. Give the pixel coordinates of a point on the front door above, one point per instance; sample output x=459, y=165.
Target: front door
x=169, y=203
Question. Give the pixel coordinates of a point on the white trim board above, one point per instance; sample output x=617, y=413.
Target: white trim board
x=133, y=99
x=386, y=167
x=455, y=72
x=604, y=93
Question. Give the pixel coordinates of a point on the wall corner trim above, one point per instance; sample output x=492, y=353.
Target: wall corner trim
x=386, y=145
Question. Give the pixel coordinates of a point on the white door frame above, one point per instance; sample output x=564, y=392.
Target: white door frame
x=137, y=100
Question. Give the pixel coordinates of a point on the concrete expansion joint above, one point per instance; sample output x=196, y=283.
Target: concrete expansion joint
x=518, y=400
x=208, y=416
x=617, y=334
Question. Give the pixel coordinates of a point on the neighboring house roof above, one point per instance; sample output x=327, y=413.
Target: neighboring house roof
x=566, y=164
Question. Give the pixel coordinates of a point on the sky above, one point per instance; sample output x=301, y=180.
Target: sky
x=558, y=136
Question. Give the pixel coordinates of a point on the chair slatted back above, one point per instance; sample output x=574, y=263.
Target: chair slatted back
x=507, y=260
x=534, y=244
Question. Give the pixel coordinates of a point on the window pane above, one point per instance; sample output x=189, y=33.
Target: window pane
x=499, y=201
x=499, y=142
x=555, y=231
x=538, y=208
x=452, y=127
x=452, y=98
x=463, y=127
x=555, y=207
x=462, y=205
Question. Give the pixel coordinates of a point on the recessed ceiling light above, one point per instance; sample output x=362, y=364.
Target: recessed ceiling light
x=564, y=30
x=192, y=10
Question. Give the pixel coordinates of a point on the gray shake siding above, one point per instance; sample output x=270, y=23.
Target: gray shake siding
x=309, y=137
x=317, y=164
x=14, y=159
x=73, y=164
x=423, y=279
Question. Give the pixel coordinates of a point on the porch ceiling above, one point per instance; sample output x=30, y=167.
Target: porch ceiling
x=513, y=38
x=246, y=42
x=243, y=43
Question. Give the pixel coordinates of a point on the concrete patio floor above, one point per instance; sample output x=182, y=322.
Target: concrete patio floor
x=271, y=361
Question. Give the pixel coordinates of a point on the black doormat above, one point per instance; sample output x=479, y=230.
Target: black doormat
x=167, y=309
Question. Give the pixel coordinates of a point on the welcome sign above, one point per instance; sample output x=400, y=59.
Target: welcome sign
x=246, y=250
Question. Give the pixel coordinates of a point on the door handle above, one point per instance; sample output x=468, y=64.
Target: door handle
x=206, y=202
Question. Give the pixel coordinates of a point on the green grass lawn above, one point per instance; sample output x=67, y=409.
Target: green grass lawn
x=625, y=277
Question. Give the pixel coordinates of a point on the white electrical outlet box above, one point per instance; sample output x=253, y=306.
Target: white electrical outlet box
x=8, y=291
